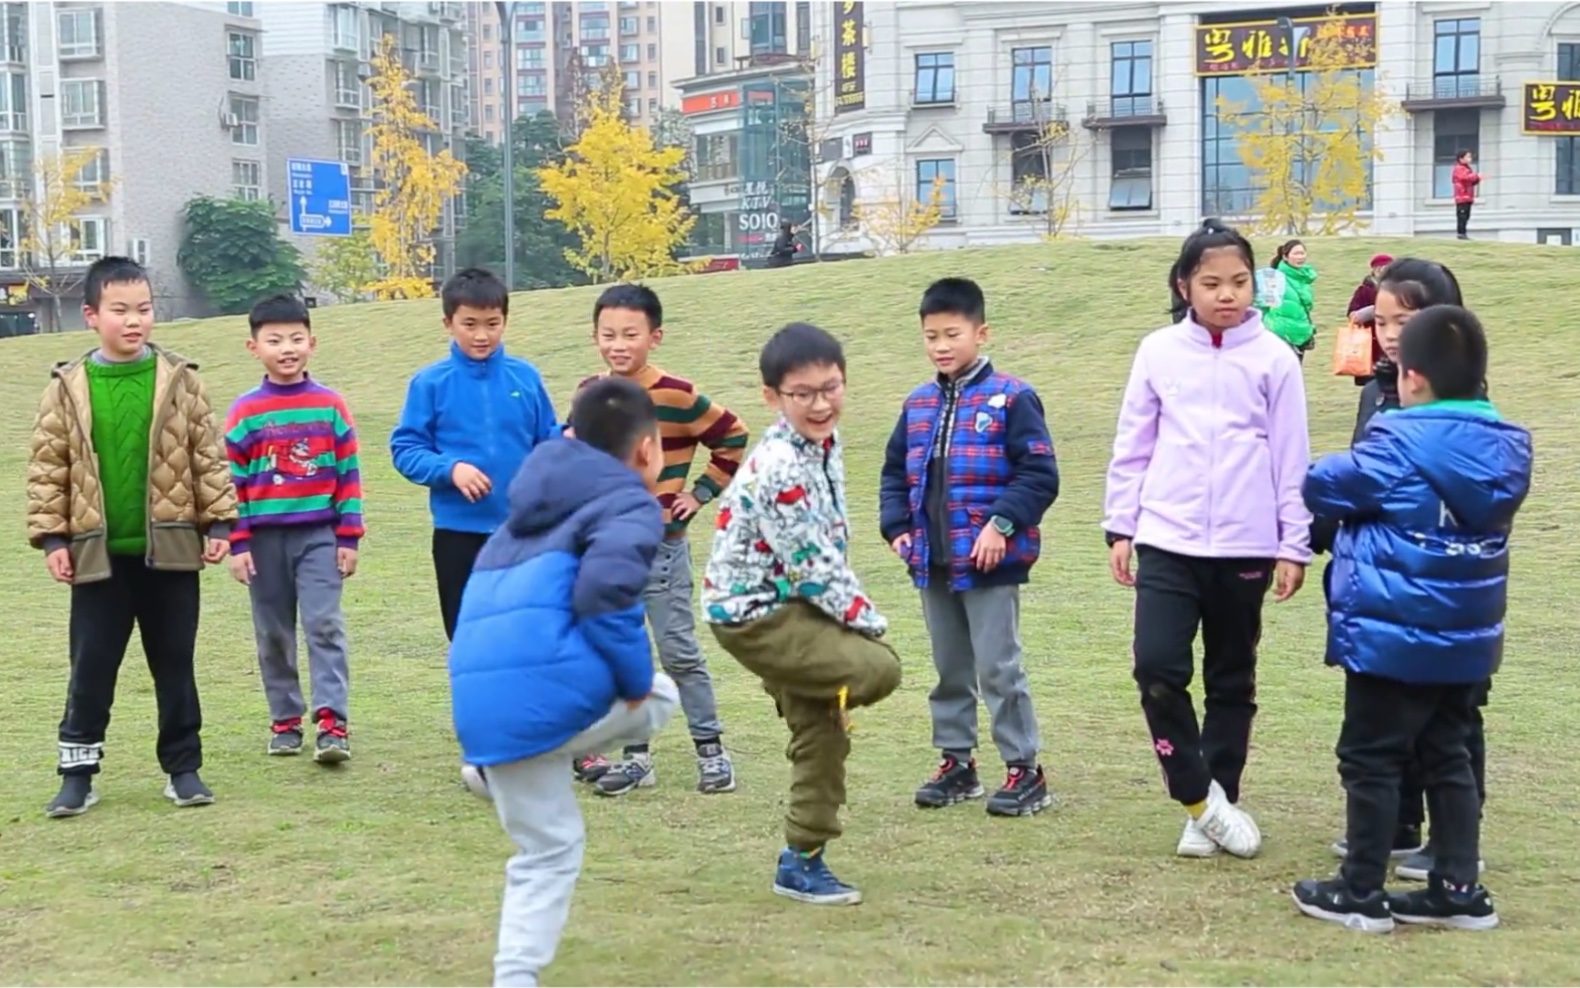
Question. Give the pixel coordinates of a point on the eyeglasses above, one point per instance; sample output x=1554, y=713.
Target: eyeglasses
x=808, y=397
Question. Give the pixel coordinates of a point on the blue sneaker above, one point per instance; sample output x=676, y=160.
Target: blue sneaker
x=804, y=877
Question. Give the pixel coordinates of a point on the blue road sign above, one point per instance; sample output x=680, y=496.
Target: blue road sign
x=320, y=197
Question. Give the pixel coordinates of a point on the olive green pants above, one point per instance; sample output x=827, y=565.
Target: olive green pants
x=804, y=658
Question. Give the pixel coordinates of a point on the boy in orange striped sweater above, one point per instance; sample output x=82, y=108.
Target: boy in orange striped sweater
x=628, y=322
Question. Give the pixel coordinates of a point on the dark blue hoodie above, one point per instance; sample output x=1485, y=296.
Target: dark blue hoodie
x=1418, y=588
x=551, y=630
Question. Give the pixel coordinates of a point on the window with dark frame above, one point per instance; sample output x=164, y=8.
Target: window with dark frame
x=1568, y=62
x=935, y=78
x=1456, y=58
x=1567, y=181
x=1453, y=131
x=1028, y=168
x=1031, y=83
x=1130, y=184
x=1131, y=82
x=941, y=170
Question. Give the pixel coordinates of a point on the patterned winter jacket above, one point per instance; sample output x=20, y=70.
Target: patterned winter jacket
x=782, y=534
x=190, y=494
x=991, y=434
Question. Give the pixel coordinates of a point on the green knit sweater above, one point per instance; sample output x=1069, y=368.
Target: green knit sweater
x=123, y=413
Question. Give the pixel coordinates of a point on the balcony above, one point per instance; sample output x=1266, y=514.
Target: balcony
x=1454, y=92
x=427, y=62
x=1025, y=116
x=348, y=99
x=1125, y=111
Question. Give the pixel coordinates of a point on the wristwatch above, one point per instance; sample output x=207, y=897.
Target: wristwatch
x=702, y=494
x=1002, y=525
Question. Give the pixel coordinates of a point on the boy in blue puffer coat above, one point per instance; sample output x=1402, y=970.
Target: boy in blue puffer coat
x=551, y=658
x=1417, y=593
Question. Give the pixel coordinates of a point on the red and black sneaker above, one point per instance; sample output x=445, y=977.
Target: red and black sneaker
x=1024, y=793
x=332, y=747
x=955, y=782
x=285, y=737
x=591, y=768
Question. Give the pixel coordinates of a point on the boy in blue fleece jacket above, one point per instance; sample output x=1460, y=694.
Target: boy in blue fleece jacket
x=551, y=658
x=1417, y=595
x=469, y=422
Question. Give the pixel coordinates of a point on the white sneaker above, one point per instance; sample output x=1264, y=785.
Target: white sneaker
x=1228, y=826
x=1193, y=843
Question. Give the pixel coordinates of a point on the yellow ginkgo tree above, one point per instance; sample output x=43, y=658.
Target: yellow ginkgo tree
x=51, y=251
x=409, y=204
x=619, y=194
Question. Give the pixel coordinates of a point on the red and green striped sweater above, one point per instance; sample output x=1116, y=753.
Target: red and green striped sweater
x=293, y=454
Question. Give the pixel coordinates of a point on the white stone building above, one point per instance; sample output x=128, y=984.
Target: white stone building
x=945, y=88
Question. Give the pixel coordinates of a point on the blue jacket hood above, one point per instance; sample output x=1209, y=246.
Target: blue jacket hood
x=1478, y=464
x=559, y=478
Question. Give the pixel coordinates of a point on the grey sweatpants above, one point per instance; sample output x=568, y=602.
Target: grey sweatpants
x=536, y=802
x=672, y=618
x=976, y=644
x=295, y=571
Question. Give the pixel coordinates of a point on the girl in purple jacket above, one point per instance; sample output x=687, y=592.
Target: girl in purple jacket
x=1204, y=491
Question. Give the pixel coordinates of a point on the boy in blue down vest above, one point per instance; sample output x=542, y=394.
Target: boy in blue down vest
x=1416, y=599
x=968, y=474
x=551, y=658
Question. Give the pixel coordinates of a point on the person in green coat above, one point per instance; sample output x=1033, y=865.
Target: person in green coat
x=1290, y=315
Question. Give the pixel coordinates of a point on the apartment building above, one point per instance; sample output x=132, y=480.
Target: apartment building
x=79, y=75
x=709, y=38
x=958, y=91
x=314, y=70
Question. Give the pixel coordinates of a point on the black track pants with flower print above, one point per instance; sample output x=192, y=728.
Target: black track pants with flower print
x=1175, y=596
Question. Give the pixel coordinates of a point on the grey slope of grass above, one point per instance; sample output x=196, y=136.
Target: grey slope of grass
x=385, y=872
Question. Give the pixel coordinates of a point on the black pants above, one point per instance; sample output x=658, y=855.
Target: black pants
x=453, y=556
x=164, y=607
x=1412, y=796
x=1387, y=724
x=1174, y=596
x=1462, y=217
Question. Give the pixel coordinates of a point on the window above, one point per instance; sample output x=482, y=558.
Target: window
x=699, y=36
x=532, y=85
x=16, y=170
x=1131, y=181
x=630, y=25
x=633, y=107
x=652, y=51
x=719, y=57
x=80, y=103
x=344, y=29
x=1131, y=82
x=348, y=88
x=1569, y=62
x=1031, y=82
x=10, y=233
x=488, y=113
x=93, y=177
x=942, y=171
x=87, y=237
x=13, y=33
x=243, y=57
x=1453, y=131
x=13, y=101
x=246, y=179
x=718, y=14
x=652, y=24
x=529, y=58
x=239, y=9
x=488, y=59
x=935, y=78
x=633, y=80
x=652, y=106
x=78, y=33
x=245, y=110
x=765, y=26
x=595, y=29
x=717, y=156
x=803, y=28
x=488, y=31
x=530, y=29
x=348, y=141
x=488, y=86
x=595, y=55
x=652, y=80
x=1456, y=58
x=1028, y=171
x=630, y=53
x=1567, y=150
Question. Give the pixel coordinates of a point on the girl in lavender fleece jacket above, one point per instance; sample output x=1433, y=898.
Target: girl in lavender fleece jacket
x=1204, y=488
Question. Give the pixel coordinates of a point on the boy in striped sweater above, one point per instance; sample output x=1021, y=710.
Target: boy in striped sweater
x=628, y=322
x=293, y=453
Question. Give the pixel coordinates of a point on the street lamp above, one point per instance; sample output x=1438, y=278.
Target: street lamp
x=1286, y=29
x=507, y=15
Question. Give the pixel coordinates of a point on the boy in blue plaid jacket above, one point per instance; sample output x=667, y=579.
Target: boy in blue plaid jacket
x=968, y=474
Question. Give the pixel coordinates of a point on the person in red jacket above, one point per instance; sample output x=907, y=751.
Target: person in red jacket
x=1465, y=181
x=1362, y=308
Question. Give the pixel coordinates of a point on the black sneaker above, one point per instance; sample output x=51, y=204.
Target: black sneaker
x=1417, y=867
x=591, y=768
x=186, y=789
x=1025, y=792
x=1406, y=841
x=1333, y=901
x=955, y=782
x=75, y=798
x=285, y=737
x=332, y=746
x=1440, y=904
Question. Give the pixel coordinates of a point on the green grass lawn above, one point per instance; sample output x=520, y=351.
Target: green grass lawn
x=387, y=872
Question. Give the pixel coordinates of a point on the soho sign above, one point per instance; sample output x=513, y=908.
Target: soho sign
x=758, y=213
